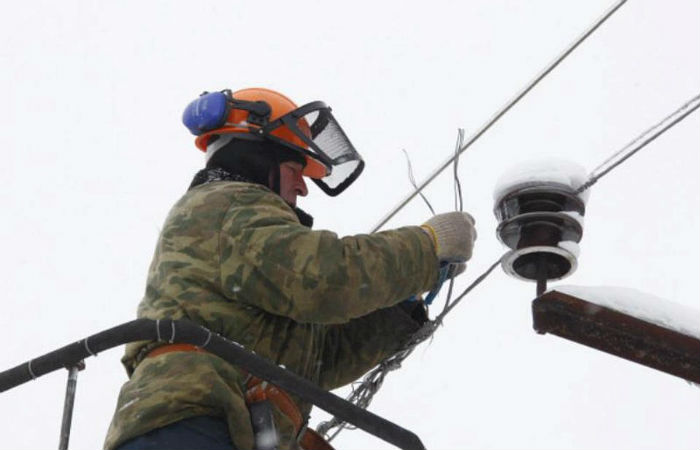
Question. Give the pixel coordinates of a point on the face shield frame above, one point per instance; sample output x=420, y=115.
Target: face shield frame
x=316, y=134
x=315, y=149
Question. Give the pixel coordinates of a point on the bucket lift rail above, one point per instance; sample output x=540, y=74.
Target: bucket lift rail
x=184, y=331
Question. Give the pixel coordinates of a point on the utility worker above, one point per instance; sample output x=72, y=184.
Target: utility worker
x=237, y=256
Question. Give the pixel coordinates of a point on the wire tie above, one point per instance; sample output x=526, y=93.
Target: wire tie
x=158, y=329
x=87, y=347
x=172, y=336
x=31, y=372
x=206, y=342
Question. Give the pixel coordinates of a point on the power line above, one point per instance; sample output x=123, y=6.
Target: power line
x=640, y=142
x=364, y=391
x=504, y=109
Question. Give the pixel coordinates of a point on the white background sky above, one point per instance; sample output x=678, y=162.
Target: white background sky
x=94, y=155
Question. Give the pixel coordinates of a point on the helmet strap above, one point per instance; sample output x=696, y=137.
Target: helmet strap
x=275, y=173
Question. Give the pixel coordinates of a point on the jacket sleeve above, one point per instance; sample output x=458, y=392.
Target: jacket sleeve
x=354, y=348
x=269, y=260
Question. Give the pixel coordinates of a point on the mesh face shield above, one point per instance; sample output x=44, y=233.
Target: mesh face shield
x=325, y=142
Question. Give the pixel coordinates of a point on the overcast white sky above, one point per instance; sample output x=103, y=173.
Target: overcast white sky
x=95, y=155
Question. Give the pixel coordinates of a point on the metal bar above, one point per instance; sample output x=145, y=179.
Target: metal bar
x=542, y=275
x=504, y=109
x=618, y=334
x=541, y=286
x=68, y=406
x=184, y=331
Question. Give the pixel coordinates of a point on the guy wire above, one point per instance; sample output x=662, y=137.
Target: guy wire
x=475, y=283
x=373, y=380
x=640, y=142
x=363, y=392
x=504, y=109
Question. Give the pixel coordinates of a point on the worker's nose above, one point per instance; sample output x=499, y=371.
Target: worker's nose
x=302, y=190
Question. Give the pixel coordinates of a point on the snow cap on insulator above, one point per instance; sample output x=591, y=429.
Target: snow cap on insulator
x=541, y=218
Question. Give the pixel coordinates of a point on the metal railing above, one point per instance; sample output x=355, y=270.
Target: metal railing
x=184, y=331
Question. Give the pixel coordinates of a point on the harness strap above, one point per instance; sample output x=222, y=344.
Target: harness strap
x=175, y=348
x=258, y=390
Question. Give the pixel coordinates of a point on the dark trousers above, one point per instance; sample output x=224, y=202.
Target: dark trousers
x=201, y=433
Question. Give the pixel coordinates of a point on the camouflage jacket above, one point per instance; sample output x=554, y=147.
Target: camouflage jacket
x=234, y=258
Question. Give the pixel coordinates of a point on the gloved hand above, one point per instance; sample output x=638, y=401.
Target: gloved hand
x=456, y=269
x=453, y=234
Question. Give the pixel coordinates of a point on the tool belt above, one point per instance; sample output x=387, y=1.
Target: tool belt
x=258, y=393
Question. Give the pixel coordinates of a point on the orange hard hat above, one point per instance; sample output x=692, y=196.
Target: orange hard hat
x=237, y=122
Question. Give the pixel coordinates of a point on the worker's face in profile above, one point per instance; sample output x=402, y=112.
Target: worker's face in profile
x=292, y=183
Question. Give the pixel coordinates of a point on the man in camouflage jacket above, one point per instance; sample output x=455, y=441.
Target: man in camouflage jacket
x=234, y=257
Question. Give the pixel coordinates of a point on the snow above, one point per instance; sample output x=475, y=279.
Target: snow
x=575, y=215
x=266, y=439
x=129, y=403
x=79, y=241
x=553, y=170
x=641, y=305
x=570, y=246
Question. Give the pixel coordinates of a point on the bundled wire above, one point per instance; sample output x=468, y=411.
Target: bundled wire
x=459, y=201
x=412, y=180
x=364, y=391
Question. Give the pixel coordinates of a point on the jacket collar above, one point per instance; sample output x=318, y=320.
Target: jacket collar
x=210, y=175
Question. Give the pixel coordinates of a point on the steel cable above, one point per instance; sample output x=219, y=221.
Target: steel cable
x=363, y=392
x=504, y=109
x=640, y=142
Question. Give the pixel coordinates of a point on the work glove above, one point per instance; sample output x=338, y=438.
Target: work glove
x=453, y=234
x=456, y=269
